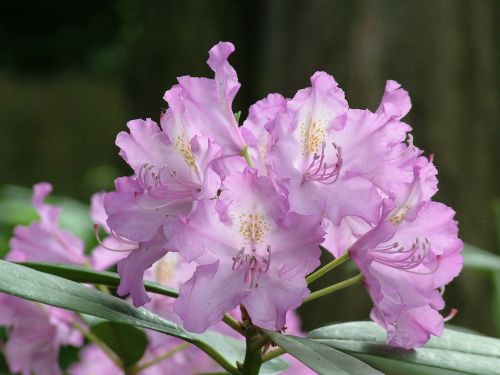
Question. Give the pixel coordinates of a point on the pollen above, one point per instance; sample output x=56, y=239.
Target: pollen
x=184, y=149
x=253, y=227
x=312, y=137
x=165, y=270
x=399, y=215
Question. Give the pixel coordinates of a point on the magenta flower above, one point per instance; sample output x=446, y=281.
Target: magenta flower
x=407, y=257
x=44, y=241
x=316, y=155
x=248, y=245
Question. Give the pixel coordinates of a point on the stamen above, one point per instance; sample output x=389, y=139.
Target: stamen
x=164, y=184
x=320, y=171
x=451, y=315
x=254, y=265
x=98, y=238
x=140, y=205
x=405, y=259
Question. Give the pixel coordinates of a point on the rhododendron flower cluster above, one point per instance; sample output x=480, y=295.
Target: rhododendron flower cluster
x=250, y=204
x=235, y=217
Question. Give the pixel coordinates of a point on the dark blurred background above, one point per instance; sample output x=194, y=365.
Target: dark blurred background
x=72, y=74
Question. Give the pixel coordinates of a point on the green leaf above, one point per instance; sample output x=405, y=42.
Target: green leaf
x=28, y=283
x=479, y=259
x=87, y=275
x=128, y=342
x=455, y=351
x=321, y=358
x=40, y=287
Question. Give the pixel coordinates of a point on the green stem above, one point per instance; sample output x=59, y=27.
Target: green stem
x=271, y=355
x=335, y=287
x=327, y=268
x=217, y=357
x=101, y=344
x=253, y=355
x=246, y=155
x=233, y=323
x=138, y=368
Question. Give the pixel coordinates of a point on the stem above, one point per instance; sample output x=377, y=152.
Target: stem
x=138, y=368
x=335, y=287
x=327, y=268
x=253, y=354
x=271, y=355
x=101, y=344
x=233, y=323
x=246, y=155
x=217, y=357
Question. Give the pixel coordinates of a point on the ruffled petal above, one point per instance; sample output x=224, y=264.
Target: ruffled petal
x=213, y=290
x=269, y=302
x=132, y=268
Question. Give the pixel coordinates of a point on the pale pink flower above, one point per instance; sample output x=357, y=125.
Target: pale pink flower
x=203, y=105
x=36, y=333
x=315, y=155
x=170, y=173
x=247, y=244
x=407, y=258
x=44, y=240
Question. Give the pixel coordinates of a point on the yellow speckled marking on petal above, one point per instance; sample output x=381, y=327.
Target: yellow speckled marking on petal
x=312, y=137
x=253, y=227
x=399, y=215
x=185, y=150
x=165, y=270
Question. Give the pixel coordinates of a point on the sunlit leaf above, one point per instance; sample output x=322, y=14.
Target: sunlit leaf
x=87, y=275
x=321, y=358
x=28, y=283
x=455, y=351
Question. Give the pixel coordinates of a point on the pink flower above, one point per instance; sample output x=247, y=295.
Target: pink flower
x=407, y=257
x=44, y=241
x=94, y=361
x=204, y=105
x=259, y=130
x=247, y=244
x=316, y=155
x=30, y=350
x=111, y=249
x=171, y=171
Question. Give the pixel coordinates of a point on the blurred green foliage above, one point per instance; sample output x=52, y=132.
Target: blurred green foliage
x=72, y=75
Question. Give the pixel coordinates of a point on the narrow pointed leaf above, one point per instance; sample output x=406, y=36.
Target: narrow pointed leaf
x=321, y=358
x=28, y=283
x=87, y=275
x=455, y=351
x=41, y=287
